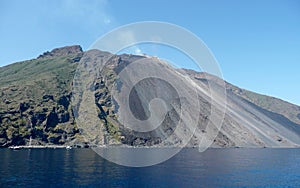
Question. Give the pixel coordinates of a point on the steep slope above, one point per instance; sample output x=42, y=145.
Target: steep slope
x=36, y=106
x=249, y=123
x=272, y=104
x=35, y=97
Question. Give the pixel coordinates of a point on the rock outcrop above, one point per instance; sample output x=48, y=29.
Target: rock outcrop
x=58, y=52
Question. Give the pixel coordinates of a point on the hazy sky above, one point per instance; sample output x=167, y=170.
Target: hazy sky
x=257, y=43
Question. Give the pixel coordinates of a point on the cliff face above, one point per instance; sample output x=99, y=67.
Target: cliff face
x=35, y=99
x=35, y=106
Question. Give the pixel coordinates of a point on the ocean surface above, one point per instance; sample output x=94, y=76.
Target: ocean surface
x=189, y=168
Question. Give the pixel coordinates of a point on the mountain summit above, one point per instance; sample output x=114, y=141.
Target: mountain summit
x=57, y=52
x=36, y=108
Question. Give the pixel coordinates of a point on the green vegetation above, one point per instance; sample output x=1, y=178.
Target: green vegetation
x=35, y=97
x=113, y=131
x=35, y=101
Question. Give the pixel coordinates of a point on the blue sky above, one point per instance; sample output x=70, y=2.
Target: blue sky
x=257, y=43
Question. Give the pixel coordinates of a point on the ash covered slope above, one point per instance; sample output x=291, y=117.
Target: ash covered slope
x=256, y=120
x=35, y=105
x=247, y=123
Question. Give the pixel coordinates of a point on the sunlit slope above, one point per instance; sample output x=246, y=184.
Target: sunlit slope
x=35, y=106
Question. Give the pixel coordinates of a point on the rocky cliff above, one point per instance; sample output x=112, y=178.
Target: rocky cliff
x=35, y=106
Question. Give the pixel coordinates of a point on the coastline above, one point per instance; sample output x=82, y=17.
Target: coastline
x=133, y=147
x=40, y=147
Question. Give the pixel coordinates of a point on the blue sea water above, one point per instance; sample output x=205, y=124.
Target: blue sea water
x=189, y=168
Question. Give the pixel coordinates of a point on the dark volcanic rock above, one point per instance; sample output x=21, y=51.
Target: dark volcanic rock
x=54, y=139
x=63, y=117
x=2, y=133
x=57, y=52
x=2, y=142
x=39, y=118
x=23, y=107
x=46, y=98
x=64, y=101
x=52, y=119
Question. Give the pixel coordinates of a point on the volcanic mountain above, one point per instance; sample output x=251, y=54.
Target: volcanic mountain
x=43, y=102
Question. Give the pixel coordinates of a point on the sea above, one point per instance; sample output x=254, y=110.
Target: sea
x=234, y=167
